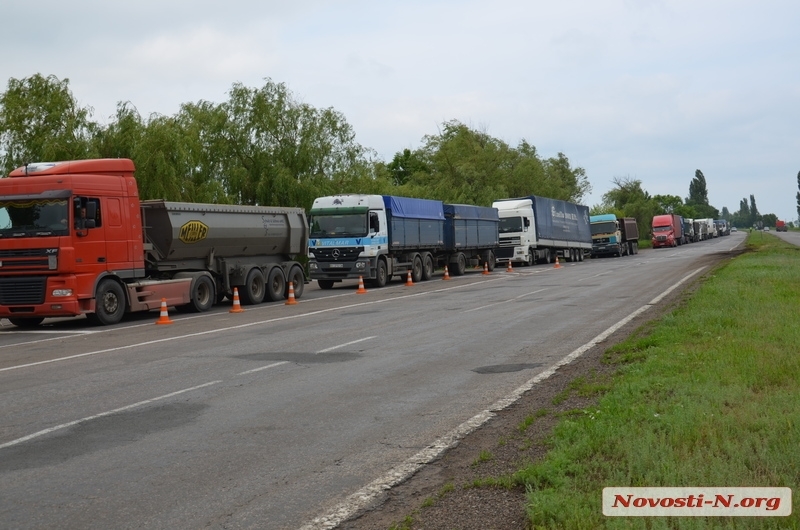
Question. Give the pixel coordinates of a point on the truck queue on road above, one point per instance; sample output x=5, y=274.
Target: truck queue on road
x=76, y=240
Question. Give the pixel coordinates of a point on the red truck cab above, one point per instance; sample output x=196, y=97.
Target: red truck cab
x=64, y=226
x=667, y=230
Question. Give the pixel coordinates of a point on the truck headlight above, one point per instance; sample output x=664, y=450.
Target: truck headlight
x=312, y=265
x=361, y=265
x=62, y=292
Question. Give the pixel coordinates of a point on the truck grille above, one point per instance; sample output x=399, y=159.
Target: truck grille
x=337, y=254
x=509, y=241
x=22, y=291
x=661, y=238
x=29, y=259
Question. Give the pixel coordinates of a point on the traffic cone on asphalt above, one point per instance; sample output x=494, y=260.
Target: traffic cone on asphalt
x=361, y=289
x=446, y=274
x=237, y=305
x=509, y=268
x=485, y=268
x=557, y=266
x=409, y=283
x=164, y=316
x=291, y=300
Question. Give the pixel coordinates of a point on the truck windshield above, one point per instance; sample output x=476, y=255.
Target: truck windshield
x=34, y=217
x=662, y=228
x=344, y=225
x=604, y=228
x=510, y=224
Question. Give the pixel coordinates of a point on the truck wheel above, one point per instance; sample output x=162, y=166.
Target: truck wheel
x=254, y=287
x=109, y=303
x=202, y=297
x=580, y=254
x=427, y=267
x=381, y=274
x=416, y=269
x=531, y=258
x=298, y=281
x=325, y=284
x=490, y=260
x=461, y=265
x=21, y=322
x=635, y=247
x=276, y=284
x=547, y=257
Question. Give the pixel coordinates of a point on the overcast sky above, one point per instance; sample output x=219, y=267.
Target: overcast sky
x=643, y=89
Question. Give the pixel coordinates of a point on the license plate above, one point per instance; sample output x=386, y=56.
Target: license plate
x=337, y=265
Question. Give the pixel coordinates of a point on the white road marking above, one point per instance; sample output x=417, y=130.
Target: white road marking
x=273, y=365
x=345, y=344
x=102, y=414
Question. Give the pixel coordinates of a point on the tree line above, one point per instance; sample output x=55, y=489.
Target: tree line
x=263, y=146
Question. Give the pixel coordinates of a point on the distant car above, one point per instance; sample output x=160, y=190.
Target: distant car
x=766, y=229
x=734, y=229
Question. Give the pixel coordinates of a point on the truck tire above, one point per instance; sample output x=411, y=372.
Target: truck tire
x=109, y=304
x=427, y=267
x=254, y=287
x=276, y=284
x=416, y=269
x=490, y=260
x=325, y=284
x=635, y=247
x=381, y=274
x=460, y=264
x=202, y=297
x=22, y=322
x=298, y=281
x=548, y=258
x=531, y=258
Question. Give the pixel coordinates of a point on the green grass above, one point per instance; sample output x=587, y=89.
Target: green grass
x=708, y=396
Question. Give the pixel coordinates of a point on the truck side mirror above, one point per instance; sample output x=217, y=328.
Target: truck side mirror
x=526, y=222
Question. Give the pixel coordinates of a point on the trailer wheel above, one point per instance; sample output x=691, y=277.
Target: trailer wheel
x=416, y=269
x=22, y=322
x=427, y=267
x=490, y=260
x=461, y=264
x=276, y=284
x=254, y=287
x=202, y=295
x=547, y=258
x=109, y=303
x=580, y=254
x=298, y=281
x=325, y=284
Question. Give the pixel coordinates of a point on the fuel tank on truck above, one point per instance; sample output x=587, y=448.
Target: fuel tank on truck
x=185, y=231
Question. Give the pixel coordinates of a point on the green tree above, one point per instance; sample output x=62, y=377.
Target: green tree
x=698, y=191
x=798, y=195
x=40, y=120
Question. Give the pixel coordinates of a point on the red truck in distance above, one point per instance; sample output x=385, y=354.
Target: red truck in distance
x=667, y=230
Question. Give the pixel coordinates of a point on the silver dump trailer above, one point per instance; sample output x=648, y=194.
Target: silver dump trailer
x=251, y=248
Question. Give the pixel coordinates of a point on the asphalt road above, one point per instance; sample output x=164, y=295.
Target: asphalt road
x=273, y=417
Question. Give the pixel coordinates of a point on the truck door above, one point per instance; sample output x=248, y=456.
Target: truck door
x=90, y=244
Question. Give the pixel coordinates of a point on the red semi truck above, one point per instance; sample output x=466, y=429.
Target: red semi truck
x=75, y=239
x=780, y=226
x=667, y=230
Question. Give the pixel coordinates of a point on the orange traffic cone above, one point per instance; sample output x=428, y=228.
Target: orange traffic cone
x=509, y=268
x=361, y=289
x=409, y=283
x=291, y=300
x=446, y=274
x=164, y=316
x=557, y=265
x=485, y=268
x=237, y=306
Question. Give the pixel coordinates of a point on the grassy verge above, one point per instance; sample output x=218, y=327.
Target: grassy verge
x=709, y=397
